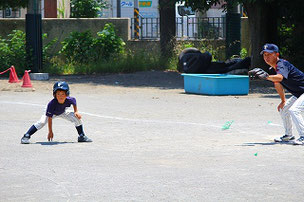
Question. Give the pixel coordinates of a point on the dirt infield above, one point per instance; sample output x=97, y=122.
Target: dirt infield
x=151, y=142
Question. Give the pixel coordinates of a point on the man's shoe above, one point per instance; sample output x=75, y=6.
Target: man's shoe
x=25, y=139
x=83, y=138
x=299, y=141
x=284, y=138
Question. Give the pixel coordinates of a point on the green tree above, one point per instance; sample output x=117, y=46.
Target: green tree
x=274, y=21
x=86, y=8
x=13, y=3
x=263, y=21
x=292, y=31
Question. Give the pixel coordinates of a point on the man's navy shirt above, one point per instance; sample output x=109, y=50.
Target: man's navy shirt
x=293, y=79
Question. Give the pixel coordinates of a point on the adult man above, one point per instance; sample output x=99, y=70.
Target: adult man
x=292, y=79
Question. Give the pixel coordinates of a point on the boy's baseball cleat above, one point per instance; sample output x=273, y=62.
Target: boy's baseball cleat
x=25, y=139
x=83, y=138
x=284, y=138
x=299, y=141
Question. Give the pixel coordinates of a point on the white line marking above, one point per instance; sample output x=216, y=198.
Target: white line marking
x=143, y=120
x=148, y=121
x=124, y=119
x=22, y=103
x=274, y=124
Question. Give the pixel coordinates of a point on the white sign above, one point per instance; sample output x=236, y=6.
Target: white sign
x=148, y=14
x=127, y=4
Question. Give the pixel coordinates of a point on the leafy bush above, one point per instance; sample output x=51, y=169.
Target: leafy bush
x=4, y=54
x=83, y=48
x=108, y=43
x=13, y=52
x=46, y=49
x=77, y=48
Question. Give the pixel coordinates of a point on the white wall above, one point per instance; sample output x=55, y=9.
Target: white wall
x=127, y=9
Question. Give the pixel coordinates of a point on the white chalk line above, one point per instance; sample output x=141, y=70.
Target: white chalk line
x=121, y=118
x=142, y=120
x=150, y=121
x=22, y=103
x=274, y=124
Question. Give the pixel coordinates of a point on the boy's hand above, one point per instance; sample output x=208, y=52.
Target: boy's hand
x=77, y=115
x=281, y=106
x=50, y=136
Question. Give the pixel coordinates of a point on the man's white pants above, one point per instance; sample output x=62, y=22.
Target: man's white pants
x=292, y=111
x=70, y=116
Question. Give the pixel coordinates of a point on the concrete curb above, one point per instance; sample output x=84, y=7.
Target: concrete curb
x=39, y=76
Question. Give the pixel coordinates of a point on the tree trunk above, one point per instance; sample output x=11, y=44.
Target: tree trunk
x=263, y=28
x=167, y=27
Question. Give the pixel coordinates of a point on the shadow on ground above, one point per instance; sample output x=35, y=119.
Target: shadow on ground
x=154, y=79
x=157, y=79
x=252, y=144
x=53, y=143
x=259, y=86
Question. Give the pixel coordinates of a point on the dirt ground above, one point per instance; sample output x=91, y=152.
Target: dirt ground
x=94, y=83
x=151, y=142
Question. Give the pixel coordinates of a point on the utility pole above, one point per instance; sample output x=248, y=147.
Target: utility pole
x=136, y=19
x=33, y=28
x=118, y=8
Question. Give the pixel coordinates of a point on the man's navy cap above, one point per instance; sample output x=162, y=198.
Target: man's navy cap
x=270, y=48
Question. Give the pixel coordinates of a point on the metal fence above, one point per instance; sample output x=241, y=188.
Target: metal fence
x=10, y=13
x=186, y=28
x=148, y=28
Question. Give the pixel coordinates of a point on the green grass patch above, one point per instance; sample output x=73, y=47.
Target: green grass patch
x=122, y=63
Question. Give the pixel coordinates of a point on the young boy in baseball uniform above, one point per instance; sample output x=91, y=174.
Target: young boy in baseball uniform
x=57, y=108
x=292, y=79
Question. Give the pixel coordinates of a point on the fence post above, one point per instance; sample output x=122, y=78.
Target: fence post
x=33, y=28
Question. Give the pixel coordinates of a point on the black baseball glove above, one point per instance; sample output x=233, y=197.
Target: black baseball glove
x=258, y=73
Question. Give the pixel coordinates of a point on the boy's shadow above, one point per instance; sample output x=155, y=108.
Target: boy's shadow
x=53, y=143
x=252, y=144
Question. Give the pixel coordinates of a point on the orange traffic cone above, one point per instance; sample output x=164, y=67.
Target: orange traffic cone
x=13, y=78
x=26, y=80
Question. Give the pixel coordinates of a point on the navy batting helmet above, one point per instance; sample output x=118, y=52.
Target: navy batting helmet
x=61, y=85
